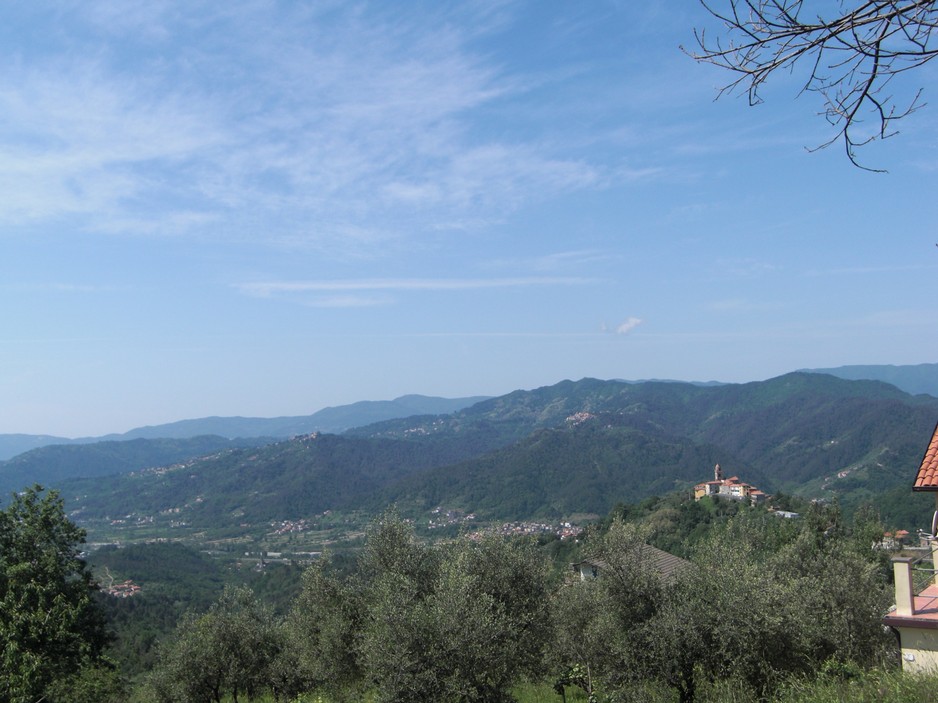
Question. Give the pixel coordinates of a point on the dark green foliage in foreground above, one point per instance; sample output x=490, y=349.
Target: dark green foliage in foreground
x=416, y=623
x=226, y=652
x=767, y=607
x=463, y=621
x=322, y=633
x=50, y=627
x=766, y=600
x=175, y=579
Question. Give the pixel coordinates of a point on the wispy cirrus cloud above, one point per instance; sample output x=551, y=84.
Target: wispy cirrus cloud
x=867, y=270
x=348, y=301
x=333, y=125
x=269, y=288
x=60, y=287
x=555, y=261
x=73, y=142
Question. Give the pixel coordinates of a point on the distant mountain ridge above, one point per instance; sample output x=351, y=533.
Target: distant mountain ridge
x=51, y=465
x=331, y=419
x=576, y=446
x=914, y=379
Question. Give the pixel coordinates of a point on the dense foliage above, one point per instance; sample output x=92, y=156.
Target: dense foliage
x=764, y=601
x=765, y=607
x=50, y=628
x=225, y=652
x=53, y=464
x=415, y=623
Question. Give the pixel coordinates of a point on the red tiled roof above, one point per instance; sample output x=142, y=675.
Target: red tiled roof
x=927, y=477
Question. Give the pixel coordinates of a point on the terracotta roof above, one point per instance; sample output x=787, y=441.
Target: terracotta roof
x=927, y=477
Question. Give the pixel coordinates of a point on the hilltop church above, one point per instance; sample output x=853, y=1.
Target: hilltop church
x=731, y=488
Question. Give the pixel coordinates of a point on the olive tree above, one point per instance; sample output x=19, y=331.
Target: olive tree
x=600, y=623
x=765, y=600
x=322, y=631
x=457, y=622
x=228, y=651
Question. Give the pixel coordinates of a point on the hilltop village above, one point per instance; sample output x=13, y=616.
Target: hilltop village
x=731, y=488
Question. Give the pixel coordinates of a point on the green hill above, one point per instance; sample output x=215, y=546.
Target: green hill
x=52, y=465
x=572, y=447
x=557, y=472
x=285, y=480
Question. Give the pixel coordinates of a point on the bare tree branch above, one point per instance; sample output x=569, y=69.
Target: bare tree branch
x=853, y=55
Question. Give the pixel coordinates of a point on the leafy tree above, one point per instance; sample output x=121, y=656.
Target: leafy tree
x=489, y=619
x=458, y=622
x=767, y=599
x=227, y=651
x=580, y=648
x=50, y=627
x=91, y=684
x=322, y=635
x=599, y=623
x=853, y=51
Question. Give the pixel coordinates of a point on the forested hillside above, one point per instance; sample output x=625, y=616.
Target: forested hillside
x=56, y=463
x=568, y=448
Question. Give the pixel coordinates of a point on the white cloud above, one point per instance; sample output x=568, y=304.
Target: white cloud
x=329, y=125
x=74, y=140
x=628, y=325
x=556, y=261
x=348, y=301
x=265, y=289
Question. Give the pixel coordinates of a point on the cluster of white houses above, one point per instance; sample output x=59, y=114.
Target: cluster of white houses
x=731, y=488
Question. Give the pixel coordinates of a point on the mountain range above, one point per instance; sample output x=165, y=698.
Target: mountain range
x=574, y=447
x=914, y=379
x=333, y=419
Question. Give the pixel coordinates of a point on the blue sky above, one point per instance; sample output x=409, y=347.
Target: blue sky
x=263, y=209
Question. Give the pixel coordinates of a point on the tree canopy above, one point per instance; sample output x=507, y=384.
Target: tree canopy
x=852, y=49
x=50, y=628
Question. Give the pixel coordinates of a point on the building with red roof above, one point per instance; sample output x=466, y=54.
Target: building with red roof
x=731, y=488
x=915, y=616
x=927, y=477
